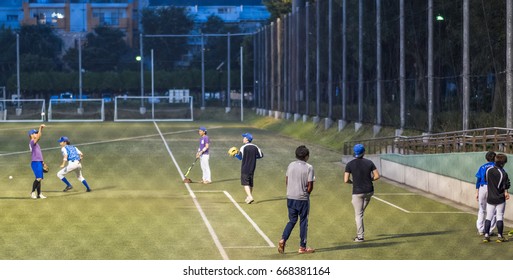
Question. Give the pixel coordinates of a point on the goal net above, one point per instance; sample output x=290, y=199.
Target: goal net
x=22, y=110
x=156, y=108
x=76, y=110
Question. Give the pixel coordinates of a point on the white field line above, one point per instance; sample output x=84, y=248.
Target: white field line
x=271, y=244
x=195, y=200
x=416, y=212
x=391, y=204
x=255, y=226
x=108, y=141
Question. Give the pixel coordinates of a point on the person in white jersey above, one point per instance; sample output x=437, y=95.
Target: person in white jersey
x=73, y=157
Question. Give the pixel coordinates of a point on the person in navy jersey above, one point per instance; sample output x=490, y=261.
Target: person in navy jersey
x=37, y=161
x=73, y=157
x=248, y=154
x=482, y=193
x=498, y=184
x=204, y=155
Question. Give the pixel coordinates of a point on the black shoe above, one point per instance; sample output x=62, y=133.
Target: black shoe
x=67, y=188
x=88, y=190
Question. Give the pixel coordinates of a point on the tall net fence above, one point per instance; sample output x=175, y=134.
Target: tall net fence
x=214, y=71
x=342, y=60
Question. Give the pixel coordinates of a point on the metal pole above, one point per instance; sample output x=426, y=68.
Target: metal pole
x=378, y=63
x=360, y=61
x=330, y=71
x=402, y=72
x=203, y=72
x=142, y=70
x=18, y=91
x=228, y=70
x=273, y=61
x=241, y=86
x=344, y=59
x=318, y=58
x=80, y=69
x=430, y=66
x=509, y=64
x=466, y=65
x=307, y=52
x=152, y=87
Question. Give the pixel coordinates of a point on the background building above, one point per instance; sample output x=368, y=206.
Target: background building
x=72, y=18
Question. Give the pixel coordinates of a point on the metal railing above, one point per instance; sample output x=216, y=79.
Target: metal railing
x=474, y=140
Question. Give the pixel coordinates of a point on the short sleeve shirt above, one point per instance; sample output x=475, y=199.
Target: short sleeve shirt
x=250, y=153
x=204, y=140
x=71, y=152
x=361, y=169
x=35, y=149
x=299, y=173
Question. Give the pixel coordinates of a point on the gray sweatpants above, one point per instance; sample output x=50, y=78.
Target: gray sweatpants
x=360, y=202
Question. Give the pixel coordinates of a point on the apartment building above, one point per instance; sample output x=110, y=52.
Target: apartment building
x=72, y=18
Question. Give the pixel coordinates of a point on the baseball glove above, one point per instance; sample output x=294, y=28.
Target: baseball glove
x=45, y=168
x=233, y=151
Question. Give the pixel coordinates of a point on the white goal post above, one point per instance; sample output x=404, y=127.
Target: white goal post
x=156, y=108
x=22, y=110
x=76, y=110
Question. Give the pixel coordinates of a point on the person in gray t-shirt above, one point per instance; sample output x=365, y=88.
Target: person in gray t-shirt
x=299, y=180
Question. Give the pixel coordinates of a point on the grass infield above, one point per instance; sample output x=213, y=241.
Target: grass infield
x=140, y=209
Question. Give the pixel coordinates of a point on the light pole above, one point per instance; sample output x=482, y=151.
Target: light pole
x=80, y=109
x=18, y=108
x=142, y=109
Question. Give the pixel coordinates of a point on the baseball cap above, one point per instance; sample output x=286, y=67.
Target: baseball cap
x=202, y=128
x=32, y=131
x=358, y=149
x=248, y=136
x=63, y=139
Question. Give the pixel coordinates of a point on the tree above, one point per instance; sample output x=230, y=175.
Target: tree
x=39, y=49
x=278, y=8
x=7, y=54
x=102, y=50
x=166, y=21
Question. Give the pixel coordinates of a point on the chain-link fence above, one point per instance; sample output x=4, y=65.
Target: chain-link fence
x=405, y=64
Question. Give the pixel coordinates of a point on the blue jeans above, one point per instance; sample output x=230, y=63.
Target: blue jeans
x=297, y=209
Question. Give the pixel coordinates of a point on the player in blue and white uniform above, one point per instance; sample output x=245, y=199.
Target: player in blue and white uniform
x=73, y=157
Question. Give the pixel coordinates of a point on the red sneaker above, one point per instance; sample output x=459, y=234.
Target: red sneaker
x=306, y=250
x=281, y=247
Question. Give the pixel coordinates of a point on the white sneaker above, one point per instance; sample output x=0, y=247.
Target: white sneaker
x=33, y=195
x=249, y=200
x=42, y=196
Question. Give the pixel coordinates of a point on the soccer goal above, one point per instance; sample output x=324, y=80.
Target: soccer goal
x=156, y=108
x=76, y=110
x=22, y=110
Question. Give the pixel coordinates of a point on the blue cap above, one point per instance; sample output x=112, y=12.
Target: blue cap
x=63, y=139
x=358, y=149
x=248, y=136
x=202, y=128
x=32, y=131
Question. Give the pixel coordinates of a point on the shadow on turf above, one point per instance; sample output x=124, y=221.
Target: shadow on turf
x=370, y=243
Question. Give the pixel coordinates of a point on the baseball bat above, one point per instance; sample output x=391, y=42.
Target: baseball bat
x=190, y=167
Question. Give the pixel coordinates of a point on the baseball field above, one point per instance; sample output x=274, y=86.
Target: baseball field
x=140, y=209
